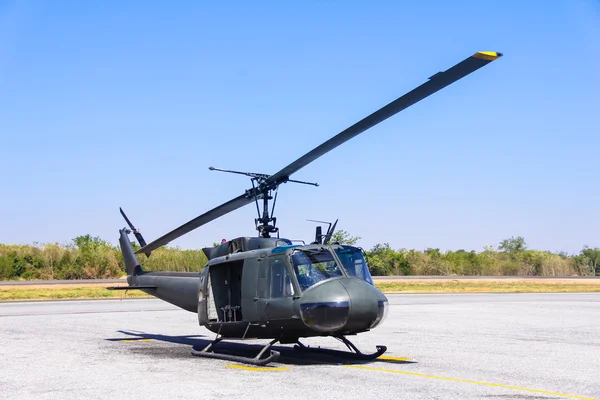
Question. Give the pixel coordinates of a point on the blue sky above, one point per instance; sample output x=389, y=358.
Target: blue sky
x=110, y=104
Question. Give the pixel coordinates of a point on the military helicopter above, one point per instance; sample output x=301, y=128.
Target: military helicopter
x=267, y=287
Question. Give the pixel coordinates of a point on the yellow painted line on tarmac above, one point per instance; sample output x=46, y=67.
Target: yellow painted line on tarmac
x=135, y=340
x=445, y=378
x=246, y=368
x=389, y=358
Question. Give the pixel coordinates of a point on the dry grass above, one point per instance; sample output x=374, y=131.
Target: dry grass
x=51, y=293
x=516, y=286
x=464, y=285
x=61, y=286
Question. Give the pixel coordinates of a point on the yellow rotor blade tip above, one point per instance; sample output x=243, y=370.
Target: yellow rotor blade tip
x=487, y=55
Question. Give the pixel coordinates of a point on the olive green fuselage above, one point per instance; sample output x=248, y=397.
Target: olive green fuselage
x=257, y=294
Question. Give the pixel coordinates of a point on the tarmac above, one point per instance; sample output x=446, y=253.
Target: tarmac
x=440, y=346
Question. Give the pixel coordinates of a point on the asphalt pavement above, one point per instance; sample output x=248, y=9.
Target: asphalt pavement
x=440, y=346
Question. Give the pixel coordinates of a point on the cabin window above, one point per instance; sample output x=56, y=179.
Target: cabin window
x=281, y=281
x=354, y=262
x=314, y=265
x=263, y=280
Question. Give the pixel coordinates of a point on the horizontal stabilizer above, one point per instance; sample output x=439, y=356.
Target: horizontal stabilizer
x=131, y=287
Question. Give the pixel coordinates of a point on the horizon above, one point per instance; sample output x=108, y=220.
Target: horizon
x=114, y=105
x=494, y=247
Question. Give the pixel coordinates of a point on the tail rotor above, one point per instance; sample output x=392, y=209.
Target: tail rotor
x=135, y=231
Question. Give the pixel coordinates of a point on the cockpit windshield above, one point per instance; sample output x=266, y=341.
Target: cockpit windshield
x=312, y=266
x=354, y=263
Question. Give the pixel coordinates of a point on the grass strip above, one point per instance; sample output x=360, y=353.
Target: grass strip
x=99, y=292
x=67, y=293
x=480, y=287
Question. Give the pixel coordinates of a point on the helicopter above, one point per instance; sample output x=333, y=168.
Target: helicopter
x=267, y=287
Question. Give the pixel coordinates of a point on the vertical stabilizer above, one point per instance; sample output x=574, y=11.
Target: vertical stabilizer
x=132, y=265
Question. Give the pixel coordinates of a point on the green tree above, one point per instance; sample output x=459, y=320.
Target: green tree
x=383, y=260
x=592, y=256
x=343, y=237
x=513, y=245
x=91, y=257
x=96, y=258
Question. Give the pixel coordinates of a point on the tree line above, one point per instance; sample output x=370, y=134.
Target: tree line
x=89, y=257
x=510, y=258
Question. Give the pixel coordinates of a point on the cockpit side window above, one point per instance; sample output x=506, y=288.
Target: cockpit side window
x=281, y=281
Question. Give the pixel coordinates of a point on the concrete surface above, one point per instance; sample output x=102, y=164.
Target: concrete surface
x=460, y=346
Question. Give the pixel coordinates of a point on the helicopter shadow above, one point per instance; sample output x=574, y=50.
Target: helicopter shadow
x=184, y=344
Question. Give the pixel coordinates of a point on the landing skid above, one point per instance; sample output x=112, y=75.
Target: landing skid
x=354, y=353
x=209, y=353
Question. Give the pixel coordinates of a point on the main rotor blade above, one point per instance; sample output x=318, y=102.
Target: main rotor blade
x=435, y=83
x=208, y=216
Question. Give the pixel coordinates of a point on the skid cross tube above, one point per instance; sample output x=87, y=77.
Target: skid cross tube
x=354, y=352
x=257, y=360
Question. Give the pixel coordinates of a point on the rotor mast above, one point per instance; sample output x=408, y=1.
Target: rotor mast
x=261, y=189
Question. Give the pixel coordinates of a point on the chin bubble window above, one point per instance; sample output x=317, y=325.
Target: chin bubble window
x=325, y=316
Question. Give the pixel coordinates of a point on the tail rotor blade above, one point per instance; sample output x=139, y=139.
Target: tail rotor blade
x=135, y=231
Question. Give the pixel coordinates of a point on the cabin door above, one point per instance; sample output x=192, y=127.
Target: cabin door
x=274, y=290
x=262, y=291
x=249, y=283
x=204, y=297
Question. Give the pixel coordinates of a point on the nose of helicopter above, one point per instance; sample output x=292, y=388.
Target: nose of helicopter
x=343, y=305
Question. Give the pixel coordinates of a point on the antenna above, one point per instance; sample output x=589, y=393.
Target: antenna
x=330, y=232
x=319, y=235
